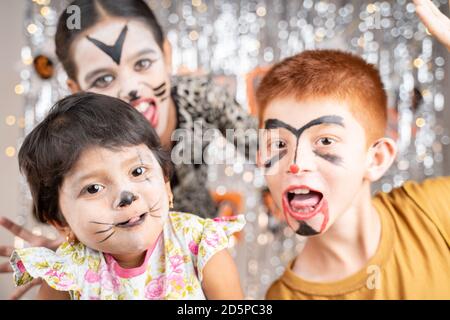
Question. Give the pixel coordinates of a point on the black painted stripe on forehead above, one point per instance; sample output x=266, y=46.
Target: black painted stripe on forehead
x=114, y=51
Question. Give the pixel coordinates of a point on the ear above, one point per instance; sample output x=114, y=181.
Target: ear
x=169, y=191
x=65, y=231
x=167, y=53
x=73, y=86
x=380, y=157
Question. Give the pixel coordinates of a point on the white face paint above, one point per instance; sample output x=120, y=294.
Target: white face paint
x=115, y=201
x=315, y=177
x=142, y=76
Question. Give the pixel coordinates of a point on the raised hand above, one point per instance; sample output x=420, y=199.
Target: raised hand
x=435, y=21
x=33, y=240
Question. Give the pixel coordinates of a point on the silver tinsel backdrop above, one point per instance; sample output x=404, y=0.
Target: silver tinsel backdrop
x=230, y=39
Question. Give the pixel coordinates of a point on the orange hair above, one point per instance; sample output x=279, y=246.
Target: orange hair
x=329, y=73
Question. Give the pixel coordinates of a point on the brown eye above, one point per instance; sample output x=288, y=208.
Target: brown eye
x=326, y=141
x=103, y=81
x=138, y=172
x=143, y=64
x=94, y=188
x=277, y=145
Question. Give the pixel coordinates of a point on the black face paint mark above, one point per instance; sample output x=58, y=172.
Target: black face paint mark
x=336, y=160
x=133, y=95
x=306, y=230
x=163, y=85
x=114, y=51
x=275, y=159
x=277, y=124
x=160, y=91
x=103, y=231
x=107, y=237
x=142, y=163
x=126, y=198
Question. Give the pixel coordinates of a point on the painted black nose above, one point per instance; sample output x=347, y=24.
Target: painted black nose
x=126, y=198
x=133, y=95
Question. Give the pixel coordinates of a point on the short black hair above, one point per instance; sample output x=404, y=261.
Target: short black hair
x=74, y=124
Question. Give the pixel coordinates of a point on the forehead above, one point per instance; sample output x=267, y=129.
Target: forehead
x=139, y=36
x=98, y=157
x=297, y=113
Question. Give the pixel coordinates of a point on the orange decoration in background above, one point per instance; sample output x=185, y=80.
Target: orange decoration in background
x=229, y=204
x=43, y=66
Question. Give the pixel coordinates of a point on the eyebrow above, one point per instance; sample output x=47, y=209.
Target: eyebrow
x=96, y=173
x=89, y=176
x=142, y=52
x=324, y=120
x=97, y=72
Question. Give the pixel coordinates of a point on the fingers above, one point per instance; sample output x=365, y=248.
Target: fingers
x=5, y=267
x=18, y=230
x=435, y=21
x=20, y=291
x=6, y=251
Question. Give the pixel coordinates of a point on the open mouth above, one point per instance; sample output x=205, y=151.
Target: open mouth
x=302, y=202
x=149, y=109
x=132, y=222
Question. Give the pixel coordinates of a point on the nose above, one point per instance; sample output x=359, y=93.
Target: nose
x=303, y=160
x=126, y=198
x=129, y=88
x=133, y=95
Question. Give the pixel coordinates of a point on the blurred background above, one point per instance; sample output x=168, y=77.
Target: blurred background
x=232, y=40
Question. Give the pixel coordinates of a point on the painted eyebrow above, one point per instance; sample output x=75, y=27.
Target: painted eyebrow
x=328, y=119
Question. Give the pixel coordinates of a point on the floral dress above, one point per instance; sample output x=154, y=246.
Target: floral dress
x=172, y=268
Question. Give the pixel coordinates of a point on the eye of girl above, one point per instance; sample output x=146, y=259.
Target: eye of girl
x=103, y=81
x=94, y=188
x=138, y=171
x=143, y=64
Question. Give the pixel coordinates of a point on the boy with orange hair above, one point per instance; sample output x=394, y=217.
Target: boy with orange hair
x=324, y=117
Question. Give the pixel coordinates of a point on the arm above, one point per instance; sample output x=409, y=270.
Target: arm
x=227, y=113
x=435, y=21
x=221, y=278
x=47, y=293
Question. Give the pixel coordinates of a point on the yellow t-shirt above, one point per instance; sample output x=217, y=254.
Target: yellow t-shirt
x=413, y=257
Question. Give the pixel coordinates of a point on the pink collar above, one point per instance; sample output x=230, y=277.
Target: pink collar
x=131, y=272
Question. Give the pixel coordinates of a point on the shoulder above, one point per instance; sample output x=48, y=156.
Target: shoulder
x=187, y=85
x=432, y=194
x=187, y=225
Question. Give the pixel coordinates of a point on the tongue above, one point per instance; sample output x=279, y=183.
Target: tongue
x=150, y=115
x=305, y=200
x=133, y=220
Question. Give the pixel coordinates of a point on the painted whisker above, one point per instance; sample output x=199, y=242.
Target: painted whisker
x=107, y=237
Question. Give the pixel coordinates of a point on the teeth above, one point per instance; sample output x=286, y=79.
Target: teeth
x=143, y=106
x=305, y=210
x=300, y=191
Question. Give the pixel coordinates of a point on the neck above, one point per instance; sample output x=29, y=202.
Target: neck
x=171, y=126
x=346, y=247
x=132, y=260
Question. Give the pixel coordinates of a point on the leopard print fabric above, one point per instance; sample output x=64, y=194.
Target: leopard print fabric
x=202, y=105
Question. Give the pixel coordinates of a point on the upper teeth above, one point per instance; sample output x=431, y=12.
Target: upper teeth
x=300, y=191
x=143, y=106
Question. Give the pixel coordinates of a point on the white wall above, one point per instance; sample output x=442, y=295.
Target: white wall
x=12, y=40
